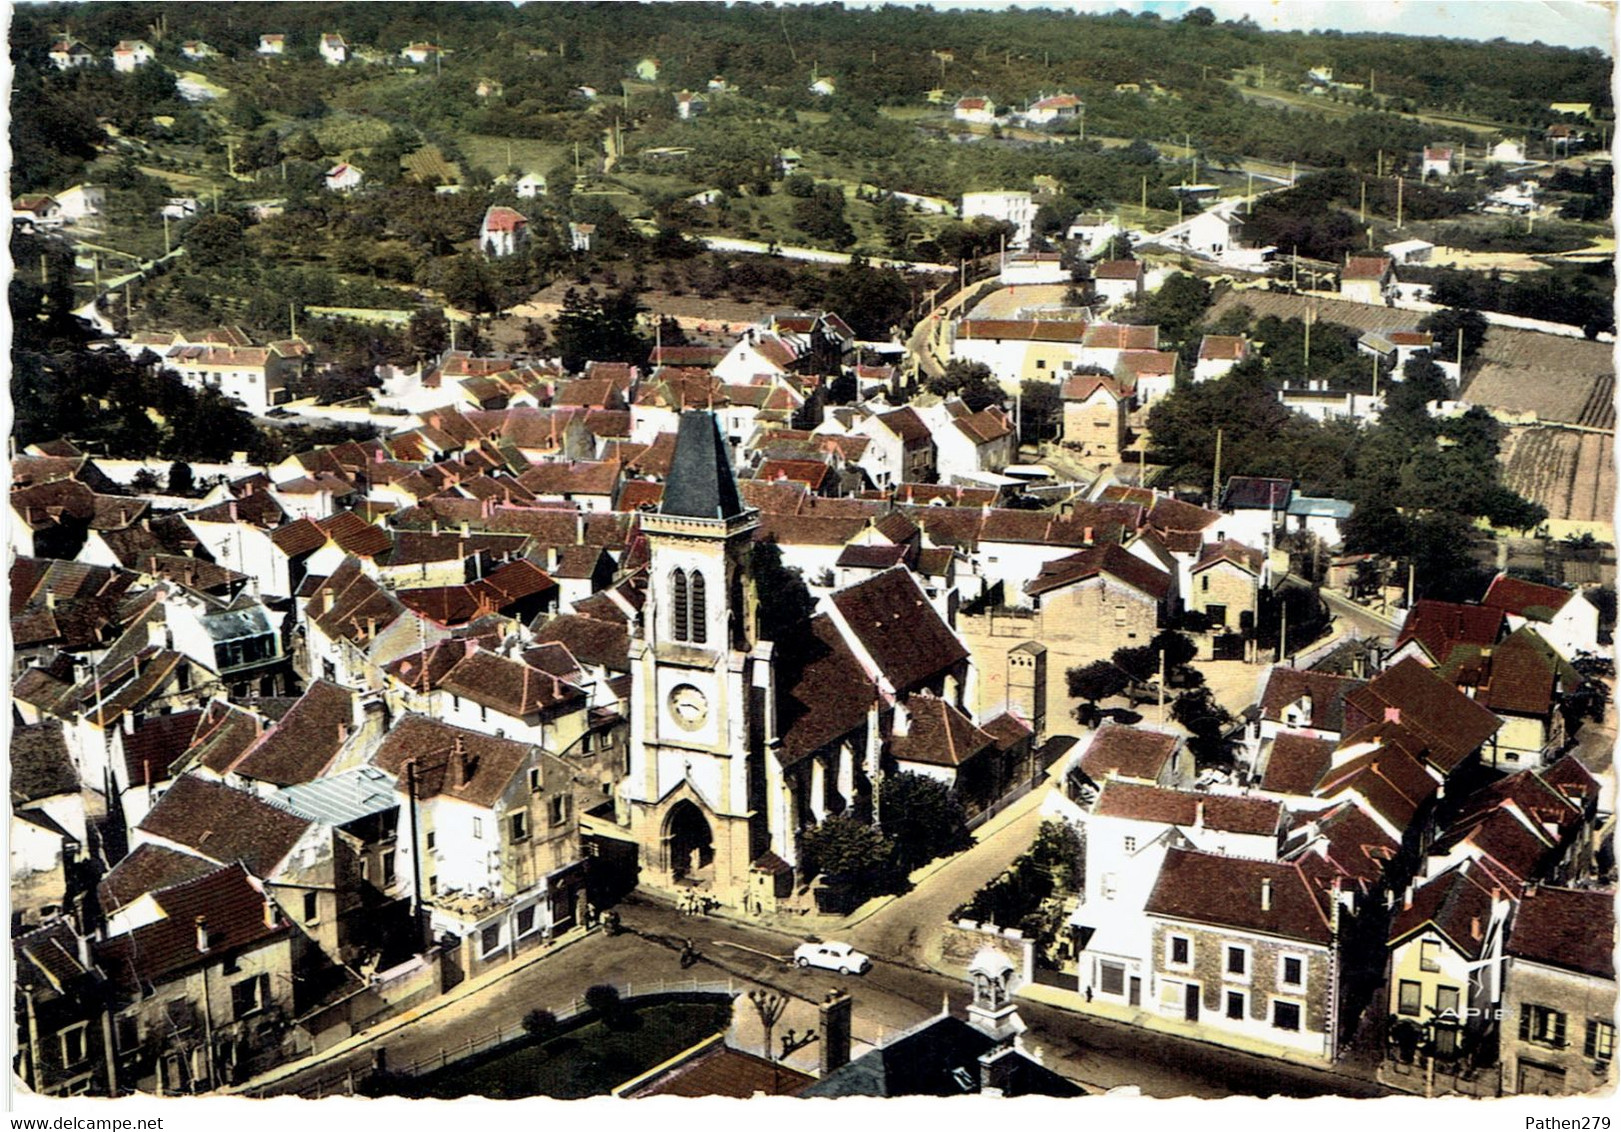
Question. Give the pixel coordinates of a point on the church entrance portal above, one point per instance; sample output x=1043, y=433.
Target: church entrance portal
x=688, y=843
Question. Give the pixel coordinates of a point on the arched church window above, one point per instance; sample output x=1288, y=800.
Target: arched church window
x=678, y=604
x=699, y=629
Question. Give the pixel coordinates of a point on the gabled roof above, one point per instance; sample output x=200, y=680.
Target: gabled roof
x=891, y=617
x=939, y=735
x=1223, y=347
x=156, y=743
x=1111, y=559
x=1389, y=778
x=499, y=218
x=40, y=764
x=1456, y=905
x=1256, y=493
x=303, y=743
x=148, y=868
x=1568, y=928
x=1526, y=599
x=1375, y=267
x=1228, y=550
x=1450, y=724
x=1188, y=808
x=237, y=921
x=1285, y=686
x=1297, y=763
x=1440, y=626
x=823, y=691
x=1208, y=888
x=454, y=762
x=1129, y=269
x=1129, y=752
x=602, y=643
x=224, y=824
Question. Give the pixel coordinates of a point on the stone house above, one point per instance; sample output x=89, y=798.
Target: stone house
x=1095, y=416
x=1226, y=585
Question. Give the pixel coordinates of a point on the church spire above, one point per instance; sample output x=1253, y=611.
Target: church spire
x=701, y=484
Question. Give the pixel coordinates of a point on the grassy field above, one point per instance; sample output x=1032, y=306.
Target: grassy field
x=429, y=165
x=529, y=154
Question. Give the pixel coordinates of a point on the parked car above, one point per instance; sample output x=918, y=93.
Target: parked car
x=840, y=957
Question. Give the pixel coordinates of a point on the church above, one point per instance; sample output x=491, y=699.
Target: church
x=738, y=744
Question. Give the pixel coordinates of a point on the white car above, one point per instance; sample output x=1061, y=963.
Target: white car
x=840, y=957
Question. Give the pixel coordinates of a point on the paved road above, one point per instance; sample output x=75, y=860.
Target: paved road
x=1370, y=623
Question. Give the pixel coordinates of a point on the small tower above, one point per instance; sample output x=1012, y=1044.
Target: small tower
x=1027, y=684
x=992, y=1011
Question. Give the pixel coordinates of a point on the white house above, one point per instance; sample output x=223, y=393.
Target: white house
x=132, y=53
x=420, y=53
x=1212, y=233
x=1563, y=618
x=1117, y=280
x=530, y=185
x=968, y=443
x=344, y=178
x=974, y=109
x=1015, y=208
x=824, y=87
x=1366, y=279
x=1508, y=152
x=65, y=54
x=1320, y=403
x=1437, y=162
x=503, y=231
x=1410, y=251
x=81, y=202
x=333, y=49
x=37, y=209
x=1320, y=516
x=1053, y=108
x=272, y=44
x=1026, y=268
x=196, y=49
x=689, y=105
x=1219, y=353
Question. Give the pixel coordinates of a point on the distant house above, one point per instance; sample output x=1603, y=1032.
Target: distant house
x=824, y=87
x=579, y=235
x=1367, y=279
x=981, y=110
x=788, y=161
x=65, y=54
x=1227, y=583
x=81, y=202
x=1437, y=162
x=1053, y=108
x=503, y=231
x=1015, y=208
x=718, y=85
x=273, y=44
x=530, y=185
x=689, y=105
x=1219, y=353
x=488, y=88
x=1095, y=416
x=1216, y=232
x=1563, y=618
x=647, y=70
x=180, y=208
x=1322, y=517
x=333, y=49
x=1027, y=268
x=1409, y=251
x=38, y=210
x=132, y=53
x=1508, y=152
x=195, y=49
x=1116, y=280
x=1151, y=374
x=344, y=178
x=420, y=53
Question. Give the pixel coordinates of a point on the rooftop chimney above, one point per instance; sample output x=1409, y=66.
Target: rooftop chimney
x=1474, y=927
x=1198, y=816
x=1392, y=715
x=202, y=933
x=835, y=1048
x=1266, y=894
x=270, y=914
x=461, y=765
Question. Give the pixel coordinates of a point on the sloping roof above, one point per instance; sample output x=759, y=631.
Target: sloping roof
x=939, y=735
x=148, y=868
x=1228, y=550
x=469, y=766
x=1256, y=493
x=903, y=634
x=721, y=1071
x=224, y=824
x=1111, y=559
x=1223, y=347
x=1188, y=808
x=1297, y=763
x=1569, y=928
x=906, y=424
x=1457, y=904
x=236, y=921
x=303, y=742
x=1389, y=778
x=1223, y=891
x=1129, y=269
x=156, y=743
x=1366, y=267
x=40, y=764
x=1129, y=752
x=823, y=692
x=1286, y=686
x=1526, y=599
x=1451, y=725
x=701, y=484
x=1441, y=625
x=508, y=686
x=939, y=1058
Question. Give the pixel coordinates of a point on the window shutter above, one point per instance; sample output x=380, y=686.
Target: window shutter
x=1559, y=1028
x=1525, y=1023
x=1590, y=1046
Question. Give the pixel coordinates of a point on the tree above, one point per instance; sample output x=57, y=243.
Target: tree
x=785, y=602
x=848, y=851
x=428, y=333
x=1445, y=325
x=597, y=327
x=971, y=381
x=922, y=817
x=821, y=216
x=214, y=240
x=1376, y=527
x=1208, y=724
x=540, y=1024
x=1041, y=412
x=1093, y=682
x=180, y=478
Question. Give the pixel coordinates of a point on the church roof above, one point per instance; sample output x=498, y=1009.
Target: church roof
x=701, y=484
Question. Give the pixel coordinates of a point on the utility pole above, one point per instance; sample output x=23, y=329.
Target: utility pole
x=1310, y=310
x=1364, y=208
x=416, y=858
x=1291, y=174
x=1294, y=267
x=1283, y=626
x=1249, y=194
x=1376, y=377
x=1215, y=475
x=1401, y=184
x=292, y=320
x=1460, y=358
x=1409, y=584
x=1162, y=686
x=165, y=233
x=1145, y=192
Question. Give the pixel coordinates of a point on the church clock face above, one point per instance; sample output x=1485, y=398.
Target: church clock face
x=688, y=707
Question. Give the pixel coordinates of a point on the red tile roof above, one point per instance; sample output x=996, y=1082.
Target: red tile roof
x=303, y=743
x=1449, y=723
x=1456, y=905
x=1374, y=267
x=469, y=766
x=823, y=691
x=1128, y=752
x=1208, y=888
x=1442, y=625
x=1297, y=763
x=1568, y=928
x=224, y=824
x=1111, y=559
x=1526, y=599
x=939, y=735
x=891, y=617
x=1139, y=802
x=1286, y=686
x=1223, y=347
